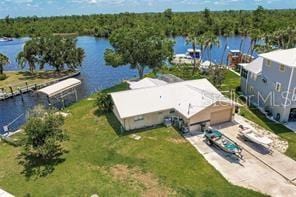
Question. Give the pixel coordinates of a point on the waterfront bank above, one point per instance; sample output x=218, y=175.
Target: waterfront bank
x=95, y=74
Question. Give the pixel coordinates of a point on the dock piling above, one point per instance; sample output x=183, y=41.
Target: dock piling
x=11, y=90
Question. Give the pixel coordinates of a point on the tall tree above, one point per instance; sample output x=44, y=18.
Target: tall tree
x=226, y=35
x=193, y=40
x=258, y=17
x=211, y=40
x=61, y=52
x=7, y=20
x=4, y=60
x=207, y=16
x=140, y=47
x=255, y=36
x=168, y=14
x=55, y=51
x=29, y=55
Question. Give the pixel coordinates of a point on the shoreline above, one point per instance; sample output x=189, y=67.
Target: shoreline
x=27, y=87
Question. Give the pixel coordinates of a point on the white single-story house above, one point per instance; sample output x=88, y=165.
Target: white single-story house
x=197, y=102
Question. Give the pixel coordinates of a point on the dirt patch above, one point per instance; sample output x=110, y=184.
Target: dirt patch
x=152, y=138
x=177, y=140
x=147, y=183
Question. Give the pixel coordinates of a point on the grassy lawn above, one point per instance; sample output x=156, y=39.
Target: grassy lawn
x=231, y=82
x=101, y=161
x=19, y=79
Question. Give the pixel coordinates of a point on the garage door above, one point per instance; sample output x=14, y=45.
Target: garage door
x=221, y=116
x=194, y=127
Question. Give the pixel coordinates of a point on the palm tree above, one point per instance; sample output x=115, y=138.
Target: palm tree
x=226, y=35
x=244, y=34
x=192, y=39
x=255, y=36
x=211, y=40
x=4, y=60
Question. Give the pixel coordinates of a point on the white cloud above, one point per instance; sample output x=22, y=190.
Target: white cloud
x=92, y=1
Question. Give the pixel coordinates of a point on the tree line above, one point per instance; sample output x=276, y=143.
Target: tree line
x=143, y=40
x=171, y=23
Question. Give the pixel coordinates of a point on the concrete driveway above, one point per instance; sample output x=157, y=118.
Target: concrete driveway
x=268, y=174
x=280, y=163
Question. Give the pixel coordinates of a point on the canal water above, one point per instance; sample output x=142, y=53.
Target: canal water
x=95, y=74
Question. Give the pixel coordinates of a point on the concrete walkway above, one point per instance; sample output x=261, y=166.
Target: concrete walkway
x=5, y=194
x=250, y=173
x=291, y=126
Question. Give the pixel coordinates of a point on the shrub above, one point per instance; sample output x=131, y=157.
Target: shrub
x=44, y=134
x=104, y=102
x=2, y=77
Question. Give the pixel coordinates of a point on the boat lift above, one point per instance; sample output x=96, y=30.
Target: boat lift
x=61, y=90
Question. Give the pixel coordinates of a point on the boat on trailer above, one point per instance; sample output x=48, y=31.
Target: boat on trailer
x=250, y=135
x=215, y=137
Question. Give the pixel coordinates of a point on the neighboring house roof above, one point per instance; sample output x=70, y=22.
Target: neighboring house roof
x=286, y=57
x=255, y=66
x=60, y=87
x=169, y=78
x=243, y=64
x=188, y=98
x=145, y=83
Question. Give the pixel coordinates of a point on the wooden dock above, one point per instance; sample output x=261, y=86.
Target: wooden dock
x=33, y=87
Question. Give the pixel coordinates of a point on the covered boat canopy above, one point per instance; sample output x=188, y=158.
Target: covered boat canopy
x=60, y=87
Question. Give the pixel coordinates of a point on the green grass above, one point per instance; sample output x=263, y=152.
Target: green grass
x=230, y=83
x=181, y=71
x=95, y=147
x=19, y=79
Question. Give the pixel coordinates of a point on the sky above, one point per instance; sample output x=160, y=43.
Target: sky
x=15, y=8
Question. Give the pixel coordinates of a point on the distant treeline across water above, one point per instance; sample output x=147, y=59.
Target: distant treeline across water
x=173, y=24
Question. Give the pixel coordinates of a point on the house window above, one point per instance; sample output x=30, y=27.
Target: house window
x=251, y=89
x=138, y=118
x=254, y=76
x=294, y=95
x=244, y=73
x=278, y=86
x=268, y=63
x=282, y=67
